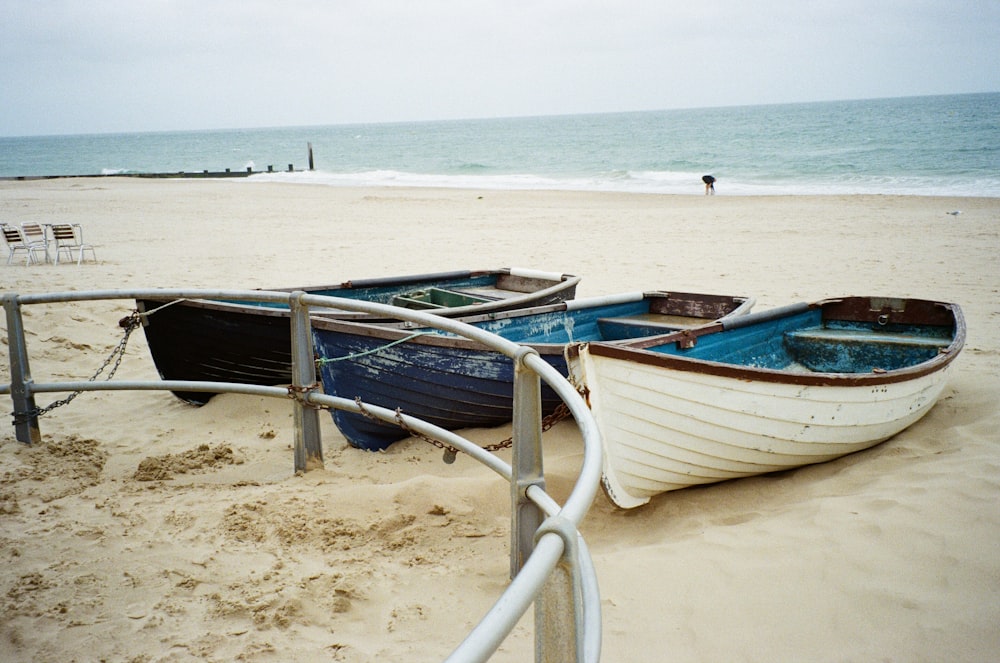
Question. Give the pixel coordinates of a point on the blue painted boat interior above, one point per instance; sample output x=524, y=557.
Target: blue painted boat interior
x=599, y=323
x=805, y=342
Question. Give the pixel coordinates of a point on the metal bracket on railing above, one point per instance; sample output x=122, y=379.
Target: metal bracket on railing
x=566, y=530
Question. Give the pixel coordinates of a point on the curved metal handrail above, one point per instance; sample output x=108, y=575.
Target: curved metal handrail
x=557, y=539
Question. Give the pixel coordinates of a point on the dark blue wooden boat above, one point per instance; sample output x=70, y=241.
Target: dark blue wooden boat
x=456, y=383
x=250, y=342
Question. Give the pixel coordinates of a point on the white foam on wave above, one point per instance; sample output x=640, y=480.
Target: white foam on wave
x=652, y=182
x=625, y=183
x=404, y=179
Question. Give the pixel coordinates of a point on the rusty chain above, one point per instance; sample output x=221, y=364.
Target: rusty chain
x=129, y=323
x=450, y=453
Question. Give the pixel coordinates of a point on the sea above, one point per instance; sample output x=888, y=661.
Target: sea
x=930, y=145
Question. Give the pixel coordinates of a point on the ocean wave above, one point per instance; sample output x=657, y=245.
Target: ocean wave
x=651, y=182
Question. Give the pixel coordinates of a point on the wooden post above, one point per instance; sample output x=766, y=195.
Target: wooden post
x=310, y=155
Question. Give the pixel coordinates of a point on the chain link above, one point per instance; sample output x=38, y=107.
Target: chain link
x=561, y=412
x=129, y=323
x=298, y=394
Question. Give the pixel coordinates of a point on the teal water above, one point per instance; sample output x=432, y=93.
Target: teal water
x=940, y=145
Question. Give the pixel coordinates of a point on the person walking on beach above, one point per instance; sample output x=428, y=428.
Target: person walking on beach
x=709, y=185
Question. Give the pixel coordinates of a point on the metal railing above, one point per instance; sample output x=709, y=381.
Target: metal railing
x=549, y=561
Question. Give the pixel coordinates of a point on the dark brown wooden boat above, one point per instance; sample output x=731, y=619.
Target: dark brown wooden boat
x=250, y=342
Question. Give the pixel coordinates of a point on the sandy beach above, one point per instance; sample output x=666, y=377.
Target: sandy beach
x=144, y=529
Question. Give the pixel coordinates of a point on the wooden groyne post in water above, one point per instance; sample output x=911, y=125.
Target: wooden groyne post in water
x=310, y=146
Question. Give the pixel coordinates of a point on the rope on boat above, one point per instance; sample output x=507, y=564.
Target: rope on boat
x=561, y=412
x=356, y=355
x=161, y=307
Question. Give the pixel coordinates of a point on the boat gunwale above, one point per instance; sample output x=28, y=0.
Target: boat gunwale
x=636, y=351
x=397, y=331
x=565, y=281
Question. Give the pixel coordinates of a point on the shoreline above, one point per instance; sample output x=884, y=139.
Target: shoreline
x=403, y=180
x=887, y=553
x=247, y=175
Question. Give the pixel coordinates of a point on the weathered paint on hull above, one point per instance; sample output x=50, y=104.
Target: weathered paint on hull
x=449, y=387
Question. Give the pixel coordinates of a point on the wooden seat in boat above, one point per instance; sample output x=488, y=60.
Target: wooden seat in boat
x=856, y=337
x=431, y=298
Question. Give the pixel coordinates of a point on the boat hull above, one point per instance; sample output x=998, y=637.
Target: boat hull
x=247, y=343
x=665, y=430
x=669, y=421
x=456, y=383
x=449, y=387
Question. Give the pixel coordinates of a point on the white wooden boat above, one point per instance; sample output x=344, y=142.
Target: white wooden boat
x=765, y=392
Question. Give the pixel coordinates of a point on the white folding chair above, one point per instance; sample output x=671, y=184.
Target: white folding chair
x=16, y=241
x=69, y=238
x=35, y=234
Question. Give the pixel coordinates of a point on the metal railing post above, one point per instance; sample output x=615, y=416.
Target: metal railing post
x=560, y=613
x=308, y=444
x=25, y=420
x=526, y=461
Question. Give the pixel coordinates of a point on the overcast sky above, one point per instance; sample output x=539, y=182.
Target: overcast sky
x=74, y=66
